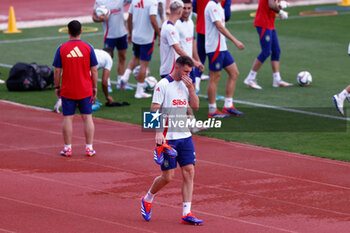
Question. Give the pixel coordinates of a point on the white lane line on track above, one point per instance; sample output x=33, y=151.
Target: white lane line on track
x=74, y=213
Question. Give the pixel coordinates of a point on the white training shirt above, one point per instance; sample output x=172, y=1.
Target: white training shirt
x=169, y=37
x=104, y=60
x=173, y=97
x=115, y=25
x=159, y=20
x=142, y=30
x=214, y=12
x=186, y=35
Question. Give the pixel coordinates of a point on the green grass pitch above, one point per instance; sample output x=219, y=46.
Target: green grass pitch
x=316, y=44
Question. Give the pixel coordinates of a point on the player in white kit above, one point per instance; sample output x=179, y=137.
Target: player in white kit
x=220, y=58
x=142, y=25
x=172, y=95
x=115, y=34
x=170, y=48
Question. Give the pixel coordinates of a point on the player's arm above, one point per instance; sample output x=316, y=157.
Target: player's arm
x=194, y=50
x=57, y=79
x=161, y=12
x=182, y=52
x=159, y=135
x=105, y=75
x=94, y=76
x=154, y=23
x=228, y=35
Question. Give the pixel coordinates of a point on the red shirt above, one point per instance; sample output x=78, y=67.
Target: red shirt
x=265, y=16
x=76, y=58
x=200, y=24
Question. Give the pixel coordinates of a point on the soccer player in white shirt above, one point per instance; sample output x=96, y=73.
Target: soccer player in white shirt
x=115, y=34
x=175, y=93
x=185, y=27
x=170, y=47
x=220, y=58
x=142, y=23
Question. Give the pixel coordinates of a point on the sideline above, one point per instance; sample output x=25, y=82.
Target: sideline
x=206, y=97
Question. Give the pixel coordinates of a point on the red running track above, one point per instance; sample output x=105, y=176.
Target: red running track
x=238, y=187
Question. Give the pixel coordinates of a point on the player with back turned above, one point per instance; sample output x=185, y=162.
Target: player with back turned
x=76, y=61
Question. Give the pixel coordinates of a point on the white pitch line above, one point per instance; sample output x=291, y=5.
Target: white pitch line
x=284, y=109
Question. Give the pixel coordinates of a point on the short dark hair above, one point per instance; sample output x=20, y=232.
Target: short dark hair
x=109, y=50
x=186, y=1
x=74, y=28
x=184, y=60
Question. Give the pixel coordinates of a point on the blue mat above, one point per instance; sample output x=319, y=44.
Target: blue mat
x=333, y=8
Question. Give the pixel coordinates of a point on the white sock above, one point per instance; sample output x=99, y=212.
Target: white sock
x=212, y=108
x=119, y=79
x=126, y=75
x=276, y=76
x=228, y=102
x=149, y=197
x=88, y=146
x=140, y=87
x=109, y=81
x=342, y=95
x=198, y=82
x=252, y=74
x=186, y=208
x=66, y=147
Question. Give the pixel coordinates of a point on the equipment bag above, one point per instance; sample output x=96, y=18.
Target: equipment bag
x=25, y=77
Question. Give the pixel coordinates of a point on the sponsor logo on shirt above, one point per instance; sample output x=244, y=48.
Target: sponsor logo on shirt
x=178, y=102
x=75, y=53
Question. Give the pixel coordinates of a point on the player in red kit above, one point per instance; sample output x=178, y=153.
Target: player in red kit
x=265, y=25
x=76, y=61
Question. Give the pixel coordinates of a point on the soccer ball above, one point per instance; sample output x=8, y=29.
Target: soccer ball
x=136, y=71
x=151, y=82
x=304, y=78
x=102, y=10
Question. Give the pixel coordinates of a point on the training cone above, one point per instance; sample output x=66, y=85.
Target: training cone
x=344, y=3
x=12, y=28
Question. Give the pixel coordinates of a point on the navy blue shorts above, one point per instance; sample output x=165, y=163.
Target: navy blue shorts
x=144, y=51
x=185, y=154
x=121, y=43
x=269, y=44
x=69, y=105
x=217, y=62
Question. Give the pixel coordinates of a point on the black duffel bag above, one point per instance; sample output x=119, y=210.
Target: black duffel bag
x=26, y=77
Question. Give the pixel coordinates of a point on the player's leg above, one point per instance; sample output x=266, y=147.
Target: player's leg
x=132, y=64
x=85, y=108
x=168, y=172
x=186, y=159
x=339, y=99
x=122, y=46
x=67, y=130
x=232, y=71
x=110, y=43
x=215, y=67
x=145, y=56
x=68, y=111
x=202, y=55
x=275, y=62
x=265, y=45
